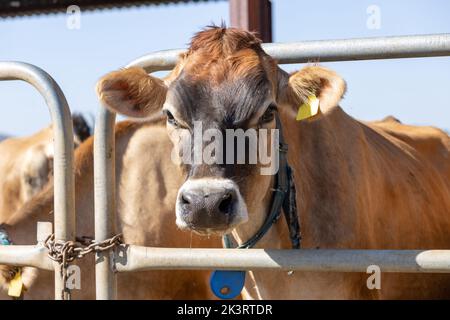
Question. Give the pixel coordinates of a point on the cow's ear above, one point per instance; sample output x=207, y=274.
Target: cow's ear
x=310, y=83
x=132, y=92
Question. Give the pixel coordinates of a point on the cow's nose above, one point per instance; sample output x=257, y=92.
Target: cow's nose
x=207, y=210
x=210, y=203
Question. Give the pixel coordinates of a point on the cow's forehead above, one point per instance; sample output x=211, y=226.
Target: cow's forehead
x=229, y=103
x=216, y=69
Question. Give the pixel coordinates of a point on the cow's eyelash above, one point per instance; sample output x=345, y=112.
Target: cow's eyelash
x=170, y=118
x=269, y=114
x=173, y=121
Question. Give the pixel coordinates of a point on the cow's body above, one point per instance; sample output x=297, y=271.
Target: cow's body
x=381, y=185
x=26, y=165
x=146, y=194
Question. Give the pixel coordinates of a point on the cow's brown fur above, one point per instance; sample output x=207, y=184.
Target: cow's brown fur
x=26, y=165
x=25, y=169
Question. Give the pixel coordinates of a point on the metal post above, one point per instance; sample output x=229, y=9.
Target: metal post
x=252, y=15
x=64, y=202
x=105, y=194
x=105, y=201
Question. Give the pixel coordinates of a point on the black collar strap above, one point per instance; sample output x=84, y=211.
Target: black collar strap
x=284, y=197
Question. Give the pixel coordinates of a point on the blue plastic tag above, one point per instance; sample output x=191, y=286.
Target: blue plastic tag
x=4, y=239
x=227, y=284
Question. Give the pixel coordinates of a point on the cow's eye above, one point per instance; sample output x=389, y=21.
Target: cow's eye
x=269, y=114
x=170, y=118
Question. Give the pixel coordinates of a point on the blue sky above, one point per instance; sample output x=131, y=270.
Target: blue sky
x=416, y=91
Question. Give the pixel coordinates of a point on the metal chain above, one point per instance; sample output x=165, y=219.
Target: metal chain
x=64, y=252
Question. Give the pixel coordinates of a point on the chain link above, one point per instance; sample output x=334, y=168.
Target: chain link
x=64, y=252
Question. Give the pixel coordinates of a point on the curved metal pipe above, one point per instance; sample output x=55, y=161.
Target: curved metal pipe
x=416, y=46
x=64, y=202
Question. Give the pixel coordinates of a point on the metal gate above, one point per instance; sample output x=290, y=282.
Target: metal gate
x=144, y=258
x=64, y=200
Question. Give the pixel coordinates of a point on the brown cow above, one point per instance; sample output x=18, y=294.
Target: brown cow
x=26, y=165
x=147, y=184
x=359, y=185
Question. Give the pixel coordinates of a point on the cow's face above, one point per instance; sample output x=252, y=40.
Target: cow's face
x=220, y=103
x=224, y=116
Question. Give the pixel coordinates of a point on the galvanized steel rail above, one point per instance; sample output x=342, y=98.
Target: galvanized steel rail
x=417, y=46
x=140, y=258
x=64, y=202
x=26, y=256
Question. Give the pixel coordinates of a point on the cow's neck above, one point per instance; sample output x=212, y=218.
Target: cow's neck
x=316, y=157
x=323, y=176
x=323, y=154
x=258, y=211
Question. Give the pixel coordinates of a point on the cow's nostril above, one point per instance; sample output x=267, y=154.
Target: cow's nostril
x=185, y=199
x=226, y=204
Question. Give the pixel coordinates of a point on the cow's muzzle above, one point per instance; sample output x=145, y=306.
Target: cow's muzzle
x=210, y=206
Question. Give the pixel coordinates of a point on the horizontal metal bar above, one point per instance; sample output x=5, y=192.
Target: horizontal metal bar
x=137, y=258
x=22, y=256
x=416, y=46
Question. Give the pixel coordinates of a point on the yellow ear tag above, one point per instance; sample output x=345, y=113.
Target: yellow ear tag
x=308, y=109
x=16, y=286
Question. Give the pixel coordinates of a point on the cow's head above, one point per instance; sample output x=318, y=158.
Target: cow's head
x=224, y=81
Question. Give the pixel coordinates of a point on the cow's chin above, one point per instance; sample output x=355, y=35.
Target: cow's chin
x=211, y=231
